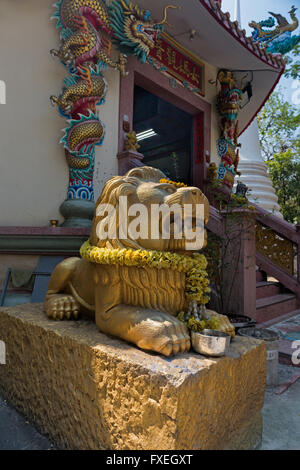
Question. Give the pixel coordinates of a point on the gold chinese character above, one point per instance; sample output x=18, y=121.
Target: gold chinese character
x=171, y=57
x=195, y=76
x=186, y=69
x=180, y=66
x=159, y=49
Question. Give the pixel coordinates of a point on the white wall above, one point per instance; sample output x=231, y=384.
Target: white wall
x=106, y=163
x=33, y=171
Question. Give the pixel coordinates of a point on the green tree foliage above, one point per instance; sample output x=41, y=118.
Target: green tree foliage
x=285, y=173
x=293, y=64
x=279, y=124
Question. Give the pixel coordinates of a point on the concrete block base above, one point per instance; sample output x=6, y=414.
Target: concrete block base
x=89, y=391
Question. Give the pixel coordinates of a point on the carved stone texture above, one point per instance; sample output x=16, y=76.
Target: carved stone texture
x=89, y=391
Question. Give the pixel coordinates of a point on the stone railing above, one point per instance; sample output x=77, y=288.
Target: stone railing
x=278, y=249
x=237, y=287
x=268, y=242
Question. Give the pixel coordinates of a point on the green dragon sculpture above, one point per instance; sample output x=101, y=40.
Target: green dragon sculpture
x=88, y=29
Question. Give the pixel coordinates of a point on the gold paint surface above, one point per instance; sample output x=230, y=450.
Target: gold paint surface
x=136, y=304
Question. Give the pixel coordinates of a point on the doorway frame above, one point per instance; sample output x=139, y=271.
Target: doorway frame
x=153, y=81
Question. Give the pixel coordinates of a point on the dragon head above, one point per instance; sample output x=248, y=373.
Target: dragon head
x=134, y=29
x=254, y=25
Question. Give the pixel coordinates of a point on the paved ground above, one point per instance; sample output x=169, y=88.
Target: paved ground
x=281, y=414
x=16, y=433
x=288, y=329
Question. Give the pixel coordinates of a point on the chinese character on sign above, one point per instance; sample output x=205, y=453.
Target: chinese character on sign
x=159, y=49
x=179, y=63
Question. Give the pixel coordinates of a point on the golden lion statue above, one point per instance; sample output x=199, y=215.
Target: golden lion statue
x=118, y=282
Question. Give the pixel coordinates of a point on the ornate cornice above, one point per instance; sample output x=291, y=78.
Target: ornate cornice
x=42, y=240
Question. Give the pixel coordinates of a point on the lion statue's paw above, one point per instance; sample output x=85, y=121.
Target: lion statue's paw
x=62, y=307
x=163, y=334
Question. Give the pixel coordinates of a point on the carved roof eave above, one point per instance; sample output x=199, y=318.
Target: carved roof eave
x=221, y=43
x=276, y=61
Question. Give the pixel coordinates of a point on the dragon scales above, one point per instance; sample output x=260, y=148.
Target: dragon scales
x=228, y=105
x=88, y=28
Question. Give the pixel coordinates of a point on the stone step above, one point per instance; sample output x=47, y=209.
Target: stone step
x=280, y=319
x=267, y=289
x=275, y=306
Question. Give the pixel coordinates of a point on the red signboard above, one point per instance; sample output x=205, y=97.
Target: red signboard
x=179, y=63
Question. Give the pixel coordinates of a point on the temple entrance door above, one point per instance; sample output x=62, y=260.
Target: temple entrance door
x=166, y=135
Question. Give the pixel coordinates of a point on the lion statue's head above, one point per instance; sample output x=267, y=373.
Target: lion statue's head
x=118, y=219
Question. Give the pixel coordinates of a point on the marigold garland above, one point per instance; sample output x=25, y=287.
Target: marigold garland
x=178, y=185
x=196, y=283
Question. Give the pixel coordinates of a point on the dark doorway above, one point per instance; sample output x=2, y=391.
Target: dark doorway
x=165, y=135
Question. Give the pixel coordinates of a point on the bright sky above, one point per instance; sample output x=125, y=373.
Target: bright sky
x=257, y=10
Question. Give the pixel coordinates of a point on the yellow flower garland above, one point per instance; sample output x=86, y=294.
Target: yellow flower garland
x=178, y=185
x=196, y=283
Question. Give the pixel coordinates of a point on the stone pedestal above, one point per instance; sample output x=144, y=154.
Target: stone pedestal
x=88, y=391
x=254, y=172
x=78, y=213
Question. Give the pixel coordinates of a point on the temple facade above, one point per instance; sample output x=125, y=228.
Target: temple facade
x=179, y=76
x=169, y=86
